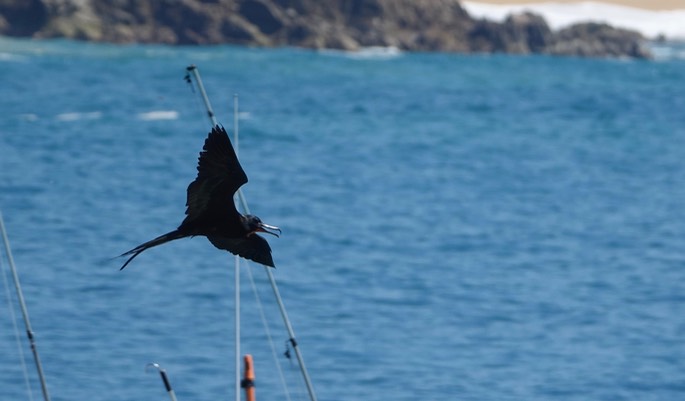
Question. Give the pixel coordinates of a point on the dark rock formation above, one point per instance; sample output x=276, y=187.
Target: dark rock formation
x=598, y=40
x=520, y=33
x=415, y=25
x=22, y=18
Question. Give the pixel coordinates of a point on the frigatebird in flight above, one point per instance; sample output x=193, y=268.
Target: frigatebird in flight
x=211, y=210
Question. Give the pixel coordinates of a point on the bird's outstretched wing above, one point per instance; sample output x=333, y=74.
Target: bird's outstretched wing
x=254, y=248
x=219, y=175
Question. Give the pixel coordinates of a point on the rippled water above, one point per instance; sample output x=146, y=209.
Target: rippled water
x=454, y=227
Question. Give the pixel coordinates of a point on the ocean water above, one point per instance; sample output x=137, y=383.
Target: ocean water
x=454, y=227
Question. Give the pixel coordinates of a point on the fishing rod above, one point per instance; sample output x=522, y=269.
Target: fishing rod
x=24, y=311
x=165, y=379
x=192, y=69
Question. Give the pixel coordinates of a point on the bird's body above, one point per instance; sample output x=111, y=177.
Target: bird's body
x=211, y=211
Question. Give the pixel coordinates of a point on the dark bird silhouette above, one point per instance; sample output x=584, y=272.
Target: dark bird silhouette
x=211, y=210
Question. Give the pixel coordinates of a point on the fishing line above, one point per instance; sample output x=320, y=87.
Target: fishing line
x=267, y=330
x=301, y=391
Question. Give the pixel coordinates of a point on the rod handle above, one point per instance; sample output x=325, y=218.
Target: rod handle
x=248, y=379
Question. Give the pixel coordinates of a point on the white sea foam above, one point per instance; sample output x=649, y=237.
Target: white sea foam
x=158, y=115
x=668, y=51
x=75, y=116
x=367, y=53
x=670, y=23
x=11, y=57
x=28, y=117
x=376, y=52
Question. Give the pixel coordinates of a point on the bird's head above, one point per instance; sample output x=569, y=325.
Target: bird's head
x=253, y=224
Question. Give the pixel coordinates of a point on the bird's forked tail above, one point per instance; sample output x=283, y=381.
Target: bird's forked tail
x=170, y=236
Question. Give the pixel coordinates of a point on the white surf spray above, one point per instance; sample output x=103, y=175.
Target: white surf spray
x=651, y=24
x=158, y=115
x=76, y=116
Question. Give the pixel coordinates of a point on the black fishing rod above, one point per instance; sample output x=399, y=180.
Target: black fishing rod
x=165, y=380
x=192, y=69
x=24, y=311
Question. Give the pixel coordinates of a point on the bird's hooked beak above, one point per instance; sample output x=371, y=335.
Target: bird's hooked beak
x=265, y=228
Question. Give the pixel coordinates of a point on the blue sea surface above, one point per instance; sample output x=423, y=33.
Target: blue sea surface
x=454, y=227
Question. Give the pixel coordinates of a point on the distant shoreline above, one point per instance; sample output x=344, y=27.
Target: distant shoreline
x=408, y=25
x=655, y=5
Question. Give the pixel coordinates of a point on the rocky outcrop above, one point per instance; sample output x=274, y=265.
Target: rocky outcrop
x=22, y=18
x=521, y=33
x=414, y=25
x=598, y=40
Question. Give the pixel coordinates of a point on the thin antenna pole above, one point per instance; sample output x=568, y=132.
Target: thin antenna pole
x=212, y=118
x=24, y=311
x=237, y=328
x=236, y=136
x=237, y=283
x=272, y=280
